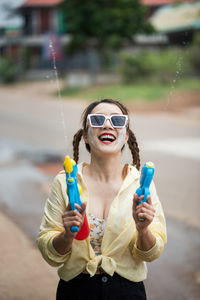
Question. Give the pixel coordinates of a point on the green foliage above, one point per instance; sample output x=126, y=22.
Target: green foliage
x=103, y=23
x=194, y=58
x=194, y=54
x=162, y=65
x=7, y=70
x=133, y=67
x=196, y=40
x=143, y=90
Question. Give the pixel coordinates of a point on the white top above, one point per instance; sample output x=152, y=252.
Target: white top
x=97, y=228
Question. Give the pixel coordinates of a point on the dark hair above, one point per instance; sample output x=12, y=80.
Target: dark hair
x=132, y=142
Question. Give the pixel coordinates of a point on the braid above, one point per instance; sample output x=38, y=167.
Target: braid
x=133, y=145
x=76, y=141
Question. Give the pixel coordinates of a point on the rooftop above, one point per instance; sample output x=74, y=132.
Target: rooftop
x=41, y=2
x=185, y=16
x=162, y=2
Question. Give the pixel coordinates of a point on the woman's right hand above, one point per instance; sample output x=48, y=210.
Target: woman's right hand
x=73, y=218
x=63, y=241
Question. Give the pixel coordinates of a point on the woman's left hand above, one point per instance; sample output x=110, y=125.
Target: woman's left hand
x=144, y=210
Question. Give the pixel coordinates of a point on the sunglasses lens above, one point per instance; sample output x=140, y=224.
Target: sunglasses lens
x=97, y=120
x=118, y=121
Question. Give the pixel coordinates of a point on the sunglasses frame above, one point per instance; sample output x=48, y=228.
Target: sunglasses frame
x=108, y=118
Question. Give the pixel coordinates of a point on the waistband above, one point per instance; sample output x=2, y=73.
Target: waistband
x=103, y=277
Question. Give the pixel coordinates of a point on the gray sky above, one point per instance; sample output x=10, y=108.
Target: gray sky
x=5, y=19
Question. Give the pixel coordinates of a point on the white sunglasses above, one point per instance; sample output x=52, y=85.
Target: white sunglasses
x=98, y=120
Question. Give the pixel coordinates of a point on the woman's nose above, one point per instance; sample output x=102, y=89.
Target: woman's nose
x=107, y=124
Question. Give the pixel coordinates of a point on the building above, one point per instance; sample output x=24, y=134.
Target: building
x=178, y=22
x=43, y=34
x=40, y=23
x=154, y=5
x=41, y=16
x=43, y=26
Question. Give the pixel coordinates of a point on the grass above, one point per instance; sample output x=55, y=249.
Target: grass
x=146, y=91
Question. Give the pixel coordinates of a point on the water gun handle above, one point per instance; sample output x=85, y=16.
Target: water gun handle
x=71, y=196
x=145, y=181
x=74, y=192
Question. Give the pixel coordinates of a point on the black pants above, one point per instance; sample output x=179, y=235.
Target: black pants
x=100, y=287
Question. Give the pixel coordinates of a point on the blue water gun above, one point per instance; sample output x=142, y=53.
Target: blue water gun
x=74, y=190
x=145, y=181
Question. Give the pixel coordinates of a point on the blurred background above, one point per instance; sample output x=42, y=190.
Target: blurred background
x=55, y=57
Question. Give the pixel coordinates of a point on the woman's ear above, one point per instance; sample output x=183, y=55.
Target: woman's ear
x=127, y=136
x=85, y=137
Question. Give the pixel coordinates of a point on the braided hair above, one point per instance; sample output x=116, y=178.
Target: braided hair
x=132, y=142
x=76, y=141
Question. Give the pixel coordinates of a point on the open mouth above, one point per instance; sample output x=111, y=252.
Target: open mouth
x=107, y=138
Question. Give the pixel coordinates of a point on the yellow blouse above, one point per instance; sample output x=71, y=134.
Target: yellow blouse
x=119, y=252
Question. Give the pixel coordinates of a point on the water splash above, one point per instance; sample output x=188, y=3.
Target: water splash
x=53, y=54
x=176, y=79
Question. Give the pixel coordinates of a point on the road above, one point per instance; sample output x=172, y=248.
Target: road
x=36, y=126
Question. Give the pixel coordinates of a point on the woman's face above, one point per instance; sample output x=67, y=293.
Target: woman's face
x=106, y=139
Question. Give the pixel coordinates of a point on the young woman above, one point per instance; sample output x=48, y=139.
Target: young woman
x=111, y=262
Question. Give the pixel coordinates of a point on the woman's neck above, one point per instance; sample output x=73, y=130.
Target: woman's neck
x=105, y=168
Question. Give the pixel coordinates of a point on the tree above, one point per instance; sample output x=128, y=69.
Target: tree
x=103, y=24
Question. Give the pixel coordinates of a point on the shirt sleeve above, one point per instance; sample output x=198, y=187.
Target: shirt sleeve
x=52, y=224
x=158, y=229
